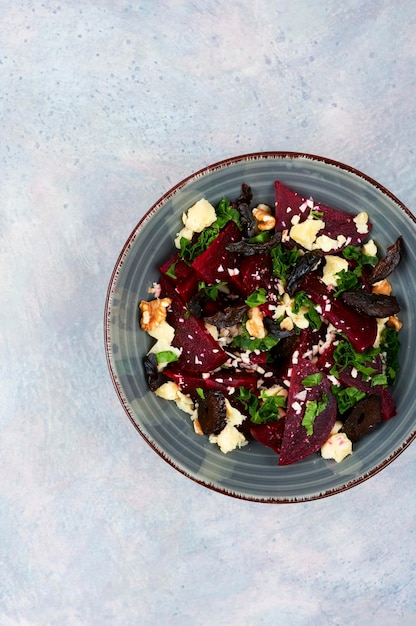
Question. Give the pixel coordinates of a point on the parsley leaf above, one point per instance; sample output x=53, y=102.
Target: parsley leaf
x=283, y=259
x=256, y=298
x=211, y=291
x=301, y=299
x=191, y=248
x=344, y=355
x=261, y=409
x=312, y=380
x=390, y=347
x=313, y=409
x=166, y=356
x=347, y=397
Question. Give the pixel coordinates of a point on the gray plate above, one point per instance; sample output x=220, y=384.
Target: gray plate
x=252, y=473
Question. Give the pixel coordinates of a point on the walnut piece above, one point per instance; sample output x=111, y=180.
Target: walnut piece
x=383, y=287
x=255, y=324
x=153, y=312
x=265, y=220
x=394, y=322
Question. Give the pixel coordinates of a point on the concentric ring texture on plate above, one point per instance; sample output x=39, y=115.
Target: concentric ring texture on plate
x=252, y=472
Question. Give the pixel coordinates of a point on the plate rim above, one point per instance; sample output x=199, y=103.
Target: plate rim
x=170, y=193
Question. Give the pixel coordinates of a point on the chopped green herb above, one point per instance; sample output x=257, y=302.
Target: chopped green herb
x=191, y=248
x=316, y=215
x=261, y=237
x=313, y=409
x=347, y=397
x=211, y=291
x=390, y=348
x=379, y=379
x=344, y=355
x=171, y=271
x=346, y=280
x=166, y=356
x=283, y=260
x=245, y=341
x=200, y=393
x=261, y=409
x=257, y=298
x=301, y=299
x=312, y=380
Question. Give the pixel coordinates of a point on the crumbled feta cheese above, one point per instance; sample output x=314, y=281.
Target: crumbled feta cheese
x=361, y=221
x=305, y=233
x=333, y=265
x=325, y=243
x=381, y=324
x=230, y=437
x=369, y=248
x=337, y=447
x=170, y=391
x=199, y=216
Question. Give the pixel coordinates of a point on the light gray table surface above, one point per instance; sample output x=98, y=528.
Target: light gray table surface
x=105, y=105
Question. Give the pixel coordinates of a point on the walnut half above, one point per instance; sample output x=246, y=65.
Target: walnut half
x=153, y=312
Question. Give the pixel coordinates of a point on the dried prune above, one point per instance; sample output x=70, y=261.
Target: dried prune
x=371, y=304
x=389, y=263
x=212, y=412
x=305, y=264
x=365, y=415
x=248, y=223
x=154, y=378
x=274, y=329
x=229, y=317
x=247, y=248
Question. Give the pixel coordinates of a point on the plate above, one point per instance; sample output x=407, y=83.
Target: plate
x=252, y=473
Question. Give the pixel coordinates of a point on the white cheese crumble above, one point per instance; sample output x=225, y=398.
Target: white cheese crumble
x=361, y=222
x=230, y=437
x=199, y=216
x=171, y=391
x=333, y=265
x=369, y=248
x=305, y=233
x=337, y=446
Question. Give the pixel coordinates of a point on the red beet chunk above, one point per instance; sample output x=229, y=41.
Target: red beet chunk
x=269, y=434
x=388, y=407
x=200, y=351
x=361, y=330
x=216, y=262
x=296, y=443
x=225, y=381
x=256, y=272
x=289, y=204
x=184, y=277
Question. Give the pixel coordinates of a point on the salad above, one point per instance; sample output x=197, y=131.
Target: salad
x=276, y=324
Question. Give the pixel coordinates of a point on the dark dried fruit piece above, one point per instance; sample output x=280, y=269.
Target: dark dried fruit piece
x=154, y=378
x=246, y=248
x=372, y=304
x=307, y=263
x=212, y=413
x=364, y=417
x=229, y=317
x=389, y=263
x=247, y=221
x=274, y=329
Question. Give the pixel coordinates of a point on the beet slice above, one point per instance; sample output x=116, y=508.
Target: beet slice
x=256, y=272
x=225, y=381
x=388, y=406
x=181, y=275
x=296, y=443
x=200, y=351
x=289, y=204
x=360, y=329
x=269, y=434
x=216, y=263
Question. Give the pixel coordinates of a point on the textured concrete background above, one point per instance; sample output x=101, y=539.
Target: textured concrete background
x=104, y=105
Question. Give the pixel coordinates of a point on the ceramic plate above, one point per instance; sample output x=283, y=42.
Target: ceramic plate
x=252, y=473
